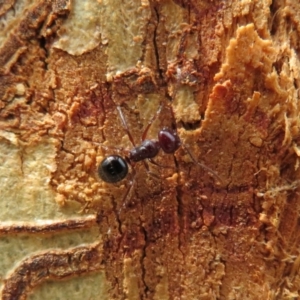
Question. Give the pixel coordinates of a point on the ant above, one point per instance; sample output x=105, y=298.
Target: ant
x=114, y=168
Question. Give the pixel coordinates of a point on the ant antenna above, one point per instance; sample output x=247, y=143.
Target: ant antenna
x=131, y=184
x=125, y=126
x=209, y=170
x=150, y=122
x=143, y=138
x=204, y=167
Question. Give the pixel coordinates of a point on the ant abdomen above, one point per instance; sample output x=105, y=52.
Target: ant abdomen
x=113, y=169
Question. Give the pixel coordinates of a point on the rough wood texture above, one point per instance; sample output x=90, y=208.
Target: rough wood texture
x=226, y=76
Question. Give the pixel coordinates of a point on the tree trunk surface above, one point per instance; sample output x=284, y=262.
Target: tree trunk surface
x=84, y=80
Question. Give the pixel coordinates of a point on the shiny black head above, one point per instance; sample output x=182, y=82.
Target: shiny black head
x=113, y=169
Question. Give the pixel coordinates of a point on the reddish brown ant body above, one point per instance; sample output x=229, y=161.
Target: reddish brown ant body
x=114, y=168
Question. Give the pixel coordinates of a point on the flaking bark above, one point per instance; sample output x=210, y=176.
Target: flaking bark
x=226, y=77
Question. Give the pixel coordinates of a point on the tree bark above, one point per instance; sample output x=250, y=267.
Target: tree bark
x=83, y=80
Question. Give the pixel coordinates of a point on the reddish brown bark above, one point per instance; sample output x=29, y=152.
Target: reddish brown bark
x=226, y=76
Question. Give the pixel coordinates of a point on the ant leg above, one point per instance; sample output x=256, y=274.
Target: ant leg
x=209, y=170
x=148, y=170
x=110, y=148
x=144, y=133
x=159, y=165
x=150, y=122
x=125, y=126
x=171, y=109
x=131, y=184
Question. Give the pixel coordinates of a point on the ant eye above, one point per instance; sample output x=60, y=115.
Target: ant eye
x=113, y=169
x=168, y=140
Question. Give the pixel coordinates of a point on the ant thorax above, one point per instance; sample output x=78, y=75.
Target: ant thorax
x=146, y=150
